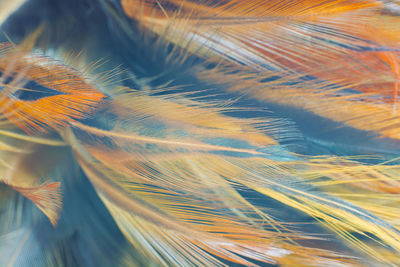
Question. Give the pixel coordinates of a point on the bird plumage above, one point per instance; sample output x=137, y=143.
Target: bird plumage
x=212, y=133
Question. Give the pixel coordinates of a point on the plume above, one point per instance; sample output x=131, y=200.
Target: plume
x=200, y=133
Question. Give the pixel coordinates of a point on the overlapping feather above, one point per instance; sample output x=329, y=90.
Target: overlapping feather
x=189, y=184
x=348, y=48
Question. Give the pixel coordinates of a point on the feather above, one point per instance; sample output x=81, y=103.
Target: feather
x=364, y=111
x=280, y=34
x=46, y=197
x=62, y=95
x=7, y=8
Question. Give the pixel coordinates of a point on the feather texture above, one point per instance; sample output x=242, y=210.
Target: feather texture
x=245, y=132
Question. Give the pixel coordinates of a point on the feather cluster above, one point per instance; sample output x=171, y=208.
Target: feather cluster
x=200, y=133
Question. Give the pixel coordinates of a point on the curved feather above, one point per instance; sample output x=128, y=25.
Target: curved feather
x=57, y=94
x=46, y=197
